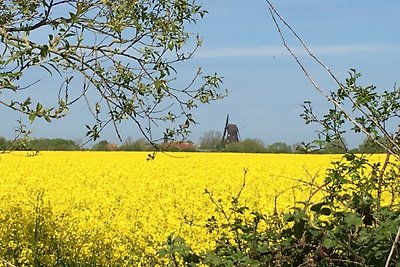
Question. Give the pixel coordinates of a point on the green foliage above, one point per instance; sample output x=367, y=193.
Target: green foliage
x=176, y=245
x=347, y=227
x=369, y=145
x=370, y=113
x=137, y=145
x=279, y=147
x=246, y=146
x=21, y=139
x=101, y=146
x=56, y=144
x=3, y=143
x=41, y=144
x=335, y=146
x=122, y=54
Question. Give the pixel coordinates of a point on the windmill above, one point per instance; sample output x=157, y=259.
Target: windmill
x=231, y=132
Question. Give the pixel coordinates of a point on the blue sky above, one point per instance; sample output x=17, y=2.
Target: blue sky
x=266, y=87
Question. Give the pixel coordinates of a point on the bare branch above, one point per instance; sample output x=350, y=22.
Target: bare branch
x=338, y=105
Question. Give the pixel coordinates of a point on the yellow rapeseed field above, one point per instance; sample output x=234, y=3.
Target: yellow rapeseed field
x=117, y=208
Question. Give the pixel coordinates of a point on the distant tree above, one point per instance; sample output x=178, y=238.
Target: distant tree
x=129, y=140
x=3, y=143
x=303, y=148
x=279, y=147
x=101, y=146
x=140, y=144
x=247, y=145
x=79, y=141
x=211, y=140
x=334, y=146
x=19, y=145
x=56, y=144
x=370, y=145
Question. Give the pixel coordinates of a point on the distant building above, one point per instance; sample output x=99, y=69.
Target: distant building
x=232, y=133
x=180, y=146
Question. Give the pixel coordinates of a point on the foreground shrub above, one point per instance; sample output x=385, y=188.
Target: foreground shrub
x=354, y=224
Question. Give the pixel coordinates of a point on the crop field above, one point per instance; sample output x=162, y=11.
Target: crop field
x=117, y=208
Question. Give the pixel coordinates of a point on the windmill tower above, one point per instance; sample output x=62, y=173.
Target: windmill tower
x=231, y=132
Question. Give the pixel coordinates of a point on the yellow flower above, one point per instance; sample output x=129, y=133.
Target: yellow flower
x=117, y=208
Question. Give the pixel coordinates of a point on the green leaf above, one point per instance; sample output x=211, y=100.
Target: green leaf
x=263, y=249
x=159, y=84
x=317, y=207
x=299, y=229
x=352, y=219
x=329, y=243
x=171, y=45
x=44, y=51
x=73, y=16
x=32, y=117
x=350, y=157
x=27, y=102
x=179, y=239
x=288, y=217
x=162, y=252
x=325, y=211
x=39, y=107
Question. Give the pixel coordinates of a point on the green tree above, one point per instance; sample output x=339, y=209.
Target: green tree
x=211, y=140
x=248, y=145
x=121, y=53
x=101, y=146
x=279, y=147
x=56, y=144
x=335, y=146
x=140, y=144
x=3, y=143
x=371, y=145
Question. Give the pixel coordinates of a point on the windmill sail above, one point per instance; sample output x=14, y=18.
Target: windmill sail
x=225, y=128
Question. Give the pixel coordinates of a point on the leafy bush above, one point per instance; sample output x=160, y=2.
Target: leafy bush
x=353, y=224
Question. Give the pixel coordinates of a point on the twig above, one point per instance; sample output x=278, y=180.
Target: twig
x=245, y=170
x=396, y=240
x=380, y=178
x=7, y=263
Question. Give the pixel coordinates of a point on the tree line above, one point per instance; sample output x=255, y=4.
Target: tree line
x=212, y=141
x=209, y=142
